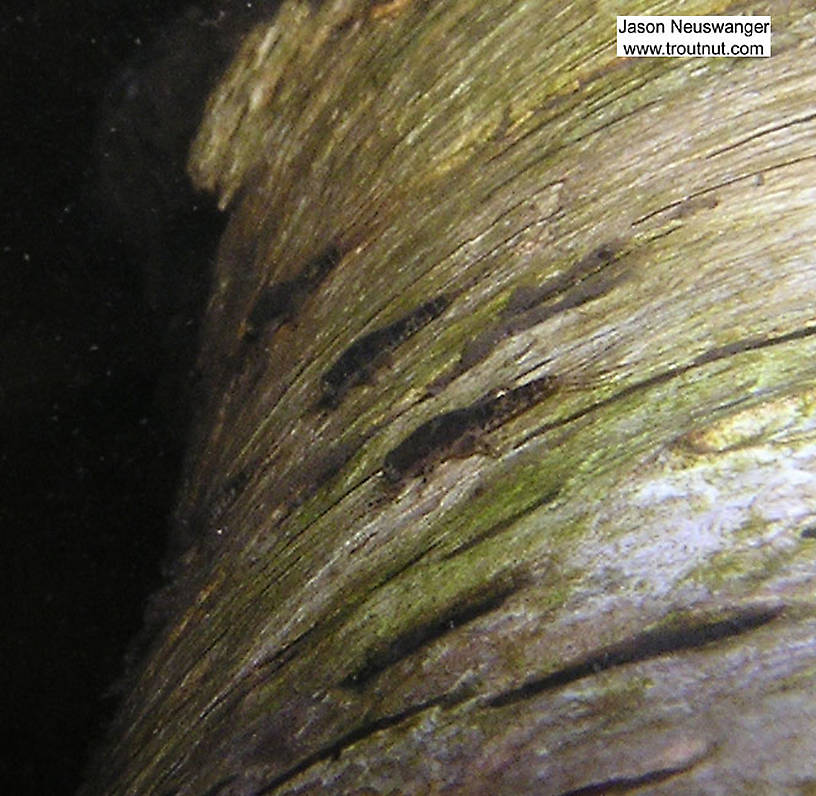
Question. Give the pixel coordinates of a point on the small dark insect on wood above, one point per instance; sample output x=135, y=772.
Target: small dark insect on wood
x=358, y=362
x=525, y=297
x=281, y=301
x=456, y=433
x=227, y=496
x=276, y=302
x=591, y=278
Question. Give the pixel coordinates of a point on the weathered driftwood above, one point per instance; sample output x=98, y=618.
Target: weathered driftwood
x=610, y=587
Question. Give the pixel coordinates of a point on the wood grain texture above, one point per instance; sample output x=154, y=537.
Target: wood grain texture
x=615, y=592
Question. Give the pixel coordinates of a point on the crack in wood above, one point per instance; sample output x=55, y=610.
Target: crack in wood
x=334, y=750
x=714, y=355
x=627, y=784
x=490, y=597
x=704, y=199
x=651, y=644
x=760, y=134
x=503, y=525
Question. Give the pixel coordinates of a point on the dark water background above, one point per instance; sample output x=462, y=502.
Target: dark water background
x=93, y=358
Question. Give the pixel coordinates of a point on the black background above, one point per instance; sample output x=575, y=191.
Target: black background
x=88, y=459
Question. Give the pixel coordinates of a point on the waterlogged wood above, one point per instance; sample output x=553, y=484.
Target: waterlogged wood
x=613, y=590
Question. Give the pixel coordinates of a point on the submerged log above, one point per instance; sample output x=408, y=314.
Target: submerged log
x=597, y=582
